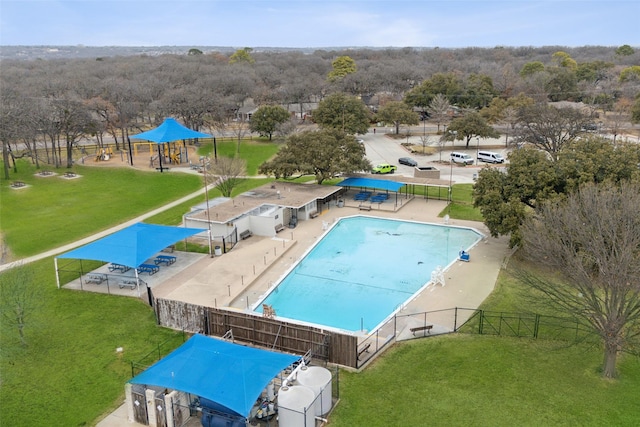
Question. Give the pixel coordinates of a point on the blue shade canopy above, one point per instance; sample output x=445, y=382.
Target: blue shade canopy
x=377, y=184
x=229, y=374
x=133, y=245
x=170, y=130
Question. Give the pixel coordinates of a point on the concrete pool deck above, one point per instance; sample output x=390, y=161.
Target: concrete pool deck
x=241, y=277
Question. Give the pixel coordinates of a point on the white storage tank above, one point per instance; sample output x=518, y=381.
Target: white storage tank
x=295, y=407
x=317, y=379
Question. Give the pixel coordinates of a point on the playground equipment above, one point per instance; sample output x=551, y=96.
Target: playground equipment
x=104, y=154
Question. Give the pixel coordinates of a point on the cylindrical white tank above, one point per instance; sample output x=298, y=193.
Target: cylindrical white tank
x=317, y=379
x=295, y=407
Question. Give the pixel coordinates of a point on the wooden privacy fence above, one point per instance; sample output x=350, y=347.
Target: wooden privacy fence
x=252, y=328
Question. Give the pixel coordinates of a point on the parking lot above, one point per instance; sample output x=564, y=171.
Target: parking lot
x=382, y=149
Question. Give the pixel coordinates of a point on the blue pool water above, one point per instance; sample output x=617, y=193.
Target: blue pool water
x=364, y=269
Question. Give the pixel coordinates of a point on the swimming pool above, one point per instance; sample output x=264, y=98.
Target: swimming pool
x=363, y=270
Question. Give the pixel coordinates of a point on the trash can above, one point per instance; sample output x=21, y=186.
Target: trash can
x=340, y=203
x=217, y=251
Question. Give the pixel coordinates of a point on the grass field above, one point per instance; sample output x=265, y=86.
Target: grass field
x=461, y=380
x=54, y=211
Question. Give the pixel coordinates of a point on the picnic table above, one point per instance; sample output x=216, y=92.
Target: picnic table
x=119, y=267
x=148, y=268
x=130, y=283
x=166, y=259
x=96, y=278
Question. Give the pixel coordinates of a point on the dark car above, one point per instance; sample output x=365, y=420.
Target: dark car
x=407, y=161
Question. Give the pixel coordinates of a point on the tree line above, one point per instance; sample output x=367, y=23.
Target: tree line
x=58, y=103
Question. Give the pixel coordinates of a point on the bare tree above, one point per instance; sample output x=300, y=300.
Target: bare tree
x=19, y=300
x=439, y=109
x=593, y=240
x=550, y=128
x=227, y=173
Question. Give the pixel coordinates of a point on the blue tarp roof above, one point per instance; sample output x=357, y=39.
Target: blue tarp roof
x=229, y=374
x=133, y=245
x=378, y=184
x=170, y=130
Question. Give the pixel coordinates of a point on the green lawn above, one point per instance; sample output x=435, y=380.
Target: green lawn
x=70, y=372
x=460, y=380
x=254, y=151
x=54, y=211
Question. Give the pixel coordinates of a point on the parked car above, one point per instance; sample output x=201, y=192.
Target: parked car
x=384, y=168
x=463, y=158
x=407, y=161
x=490, y=157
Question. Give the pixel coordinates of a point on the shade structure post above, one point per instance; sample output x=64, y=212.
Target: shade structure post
x=137, y=282
x=160, y=157
x=55, y=264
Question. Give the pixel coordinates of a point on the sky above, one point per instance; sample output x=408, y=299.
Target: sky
x=320, y=23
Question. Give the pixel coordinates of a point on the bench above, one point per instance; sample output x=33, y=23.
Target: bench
x=314, y=214
x=421, y=328
x=128, y=283
x=365, y=349
x=279, y=228
x=245, y=234
x=96, y=278
x=148, y=268
x=169, y=249
x=166, y=259
x=365, y=207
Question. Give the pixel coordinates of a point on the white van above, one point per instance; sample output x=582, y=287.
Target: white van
x=490, y=157
x=465, y=159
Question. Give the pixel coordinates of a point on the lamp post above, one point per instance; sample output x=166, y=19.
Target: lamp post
x=206, y=196
x=454, y=133
x=477, y=147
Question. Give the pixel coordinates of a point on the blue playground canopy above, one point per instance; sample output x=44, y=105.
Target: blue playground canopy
x=231, y=375
x=133, y=245
x=378, y=184
x=170, y=130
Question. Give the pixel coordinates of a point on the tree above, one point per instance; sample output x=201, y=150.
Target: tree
x=267, y=118
x=342, y=112
x=562, y=85
x=635, y=110
x=505, y=198
x=439, y=109
x=593, y=240
x=342, y=66
x=227, y=173
x=194, y=52
x=325, y=154
x=531, y=68
x=470, y=125
x=20, y=298
x=398, y=113
x=242, y=56
x=625, y=50
x=564, y=60
x=478, y=91
x=532, y=177
x=549, y=128
x=630, y=74
x=447, y=84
